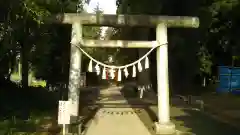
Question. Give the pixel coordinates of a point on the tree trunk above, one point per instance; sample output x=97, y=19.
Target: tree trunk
x=25, y=49
x=143, y=77
x=25, y=66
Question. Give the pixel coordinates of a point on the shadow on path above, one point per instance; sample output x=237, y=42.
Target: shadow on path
x=87, y=108
x=186, y=119
x=147, y=116
x=202, y=124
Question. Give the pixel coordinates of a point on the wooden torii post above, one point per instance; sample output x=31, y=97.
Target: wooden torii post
x=164, y=125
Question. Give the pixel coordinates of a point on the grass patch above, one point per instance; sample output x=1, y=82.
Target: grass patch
x=32, y=80
x=35, y=125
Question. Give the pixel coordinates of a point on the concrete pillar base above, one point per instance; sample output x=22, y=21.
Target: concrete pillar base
x=165, y=129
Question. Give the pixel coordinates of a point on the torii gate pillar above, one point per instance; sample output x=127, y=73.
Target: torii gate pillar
x=75, y=69
x=163, y=126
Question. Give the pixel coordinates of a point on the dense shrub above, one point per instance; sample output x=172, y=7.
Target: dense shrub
x=21, y=102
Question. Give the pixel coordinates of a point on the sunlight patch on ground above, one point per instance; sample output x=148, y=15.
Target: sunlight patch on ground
x=33, y=81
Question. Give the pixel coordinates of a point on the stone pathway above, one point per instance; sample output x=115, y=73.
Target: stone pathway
x=116, y=120
x=119, y=116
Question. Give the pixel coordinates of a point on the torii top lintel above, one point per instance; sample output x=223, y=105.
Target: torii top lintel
x=124, y=20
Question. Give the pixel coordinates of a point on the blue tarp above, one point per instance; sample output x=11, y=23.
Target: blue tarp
x=229, y=80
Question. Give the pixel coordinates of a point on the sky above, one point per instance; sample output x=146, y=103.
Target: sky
x=107, y=6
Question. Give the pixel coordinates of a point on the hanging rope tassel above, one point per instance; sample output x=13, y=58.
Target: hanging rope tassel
x=139, y=66
x=146, y=63
x=134, y=73
x=104, y=74
x=119, y=75
x=97, y=69
x=141, y=92
x=90, y=66
x=126, y=72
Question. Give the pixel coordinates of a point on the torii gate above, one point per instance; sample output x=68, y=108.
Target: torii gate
x=164, y=125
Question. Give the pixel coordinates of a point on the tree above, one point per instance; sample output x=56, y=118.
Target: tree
x=192, y=52
x=24, y=30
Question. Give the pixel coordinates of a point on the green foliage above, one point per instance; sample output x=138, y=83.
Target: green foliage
x=45, y=48
x=205, y=61
x=193, y=52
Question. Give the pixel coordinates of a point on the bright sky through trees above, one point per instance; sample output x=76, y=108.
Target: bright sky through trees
x=107, y=6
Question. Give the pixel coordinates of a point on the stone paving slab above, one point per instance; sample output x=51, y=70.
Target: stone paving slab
x=115, y=120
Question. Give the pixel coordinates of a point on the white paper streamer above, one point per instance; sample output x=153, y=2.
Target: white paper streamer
x=141, y=92
x=134, y=73
x=126, y=72
x=97, y=69
x=119, y=75
x=104, y=74
x=112, y=71
x=90, y=66
x=146, y=63
x=139, y=66
x=148, y=87
x=141, y=89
